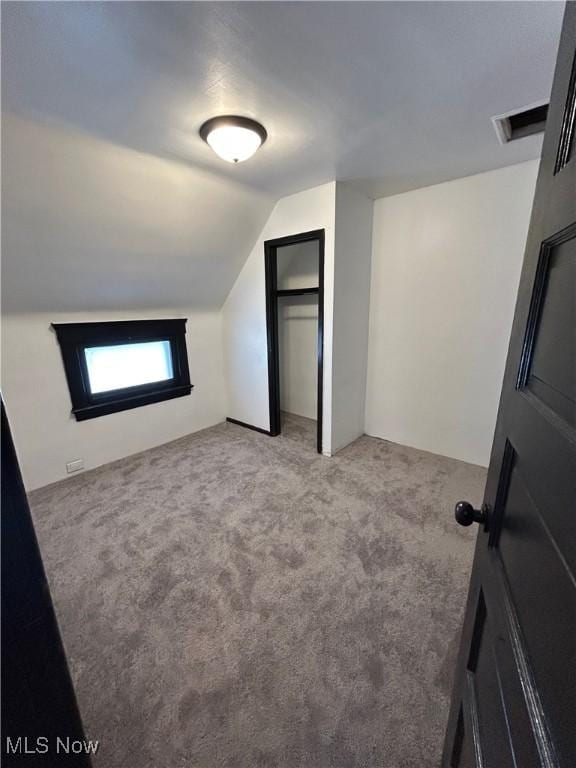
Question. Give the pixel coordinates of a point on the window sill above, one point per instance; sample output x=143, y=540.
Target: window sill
x=126, y=403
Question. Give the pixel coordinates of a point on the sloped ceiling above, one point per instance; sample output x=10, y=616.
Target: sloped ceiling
x=88, y=224
x=110, y=198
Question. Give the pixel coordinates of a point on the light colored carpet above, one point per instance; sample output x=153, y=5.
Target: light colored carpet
x=235, y=600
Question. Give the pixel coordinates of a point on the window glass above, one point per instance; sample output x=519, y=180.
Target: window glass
x=118, y=366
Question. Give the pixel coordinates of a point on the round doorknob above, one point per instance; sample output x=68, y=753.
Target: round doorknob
x=465, y=513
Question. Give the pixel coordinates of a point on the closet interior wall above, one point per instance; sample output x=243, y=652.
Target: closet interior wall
x=297, y=269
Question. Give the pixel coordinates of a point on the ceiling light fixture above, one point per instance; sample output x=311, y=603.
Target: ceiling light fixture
x=233, y=138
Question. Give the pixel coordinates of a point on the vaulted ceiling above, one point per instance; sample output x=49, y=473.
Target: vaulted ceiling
x=104, y=172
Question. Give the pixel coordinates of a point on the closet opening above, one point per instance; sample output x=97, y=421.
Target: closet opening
x=294, y=268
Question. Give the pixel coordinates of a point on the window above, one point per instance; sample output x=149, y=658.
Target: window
x=128, y=365
x=114, y=366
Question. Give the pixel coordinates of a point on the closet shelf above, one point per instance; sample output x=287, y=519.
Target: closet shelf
x=296, y=291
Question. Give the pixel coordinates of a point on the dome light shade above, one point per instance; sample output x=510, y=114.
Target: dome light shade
x=233, y=138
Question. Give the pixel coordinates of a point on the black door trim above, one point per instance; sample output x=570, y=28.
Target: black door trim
x=272, y=293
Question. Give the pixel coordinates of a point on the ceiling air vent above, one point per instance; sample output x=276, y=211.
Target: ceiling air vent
x=520, y=123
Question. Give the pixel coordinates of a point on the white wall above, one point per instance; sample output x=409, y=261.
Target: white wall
x=446, y=261
x=445, y=269
x=353, y=250
x=298, y=353
x=245, y=342
x=298, y=265
x=94, y=231
x=38, y=404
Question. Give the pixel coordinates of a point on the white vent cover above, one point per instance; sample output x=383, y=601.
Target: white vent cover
x=522, y=122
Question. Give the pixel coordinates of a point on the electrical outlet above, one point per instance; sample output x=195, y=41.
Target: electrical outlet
x=75, y=466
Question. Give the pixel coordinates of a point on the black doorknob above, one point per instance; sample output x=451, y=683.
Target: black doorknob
x=465, y=513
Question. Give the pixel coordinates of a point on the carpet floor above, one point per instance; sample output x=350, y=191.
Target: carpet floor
x=231, y=600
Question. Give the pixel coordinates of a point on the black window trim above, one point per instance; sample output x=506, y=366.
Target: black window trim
x=75, y=337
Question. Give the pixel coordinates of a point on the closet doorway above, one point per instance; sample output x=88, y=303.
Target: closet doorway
x=294, y=268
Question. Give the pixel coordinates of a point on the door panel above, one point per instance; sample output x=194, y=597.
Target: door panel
x=514, y=700
x=541, y=590
x=484, y=681
x=566, y=141
x=550, y=371
x=463, y=750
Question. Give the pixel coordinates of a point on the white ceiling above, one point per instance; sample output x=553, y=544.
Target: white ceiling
x=392, y=95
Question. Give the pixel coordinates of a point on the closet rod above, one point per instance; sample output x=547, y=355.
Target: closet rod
x=296, y=291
